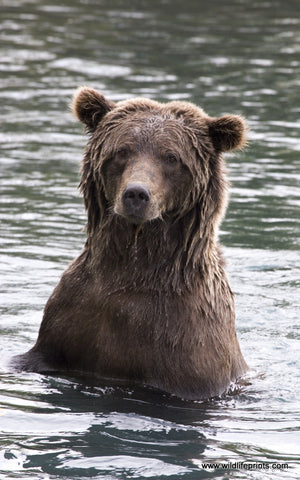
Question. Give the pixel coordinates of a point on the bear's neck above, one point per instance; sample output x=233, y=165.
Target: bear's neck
x=159, y=254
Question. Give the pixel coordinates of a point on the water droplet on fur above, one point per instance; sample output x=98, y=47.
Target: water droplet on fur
x=134, y=249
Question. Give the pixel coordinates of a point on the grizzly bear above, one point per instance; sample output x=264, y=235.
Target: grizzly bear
x=148, y=299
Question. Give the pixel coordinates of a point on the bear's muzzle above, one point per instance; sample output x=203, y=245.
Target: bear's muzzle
x=135, y=199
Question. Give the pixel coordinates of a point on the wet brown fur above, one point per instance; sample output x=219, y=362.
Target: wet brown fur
x=148, y=300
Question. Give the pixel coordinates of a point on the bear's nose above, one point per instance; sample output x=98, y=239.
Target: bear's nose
x=136, y=198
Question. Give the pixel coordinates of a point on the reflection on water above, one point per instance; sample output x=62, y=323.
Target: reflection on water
x=241, y=57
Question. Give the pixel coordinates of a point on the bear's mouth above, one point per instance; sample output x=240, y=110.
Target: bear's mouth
x=136, y=219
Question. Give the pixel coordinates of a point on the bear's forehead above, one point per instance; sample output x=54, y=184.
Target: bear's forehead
x=150, y=133
x=150, y=126
x=156, y=125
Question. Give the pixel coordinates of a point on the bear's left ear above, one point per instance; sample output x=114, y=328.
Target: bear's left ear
x=89, y=106
x=228, y=132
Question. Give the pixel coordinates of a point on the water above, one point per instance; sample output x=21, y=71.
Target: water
x=237, y=56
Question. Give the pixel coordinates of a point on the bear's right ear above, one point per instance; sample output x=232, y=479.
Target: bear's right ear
x=89, y=107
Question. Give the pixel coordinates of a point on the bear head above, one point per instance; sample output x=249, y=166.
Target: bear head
x=148, y=161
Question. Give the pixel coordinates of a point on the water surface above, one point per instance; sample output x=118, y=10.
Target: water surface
x=240, y=57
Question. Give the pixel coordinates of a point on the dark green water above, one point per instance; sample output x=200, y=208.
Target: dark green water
x=240, y=57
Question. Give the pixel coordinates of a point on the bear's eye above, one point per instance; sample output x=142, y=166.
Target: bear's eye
x=171, y=158
x=123, y=152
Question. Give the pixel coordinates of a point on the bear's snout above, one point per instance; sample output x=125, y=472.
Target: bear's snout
x=135, y=199
x=140, y=193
